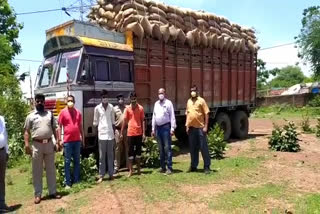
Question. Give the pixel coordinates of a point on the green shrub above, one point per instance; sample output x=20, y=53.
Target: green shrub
x=305, y=124
x=318, y=128
x=88, y=169
x=315, y=101
x=285, y=139
x=150, y=156
x=216, y=143
x=16, y=148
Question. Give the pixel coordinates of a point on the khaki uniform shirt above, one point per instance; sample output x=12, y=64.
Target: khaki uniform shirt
x=119, y=116
x=195, y=112
x=40, y=124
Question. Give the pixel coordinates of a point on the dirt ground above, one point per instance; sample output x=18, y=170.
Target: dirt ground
x=300, y=172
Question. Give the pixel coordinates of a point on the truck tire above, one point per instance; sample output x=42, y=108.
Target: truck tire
x=240, y=124
x=224, y=122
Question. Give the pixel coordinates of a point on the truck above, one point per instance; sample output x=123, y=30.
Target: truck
x=82, y=59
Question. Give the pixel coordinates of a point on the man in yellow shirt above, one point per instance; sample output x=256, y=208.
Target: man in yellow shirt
x=197, y=114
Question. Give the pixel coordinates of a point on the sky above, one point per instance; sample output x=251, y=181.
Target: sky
x=276, y=22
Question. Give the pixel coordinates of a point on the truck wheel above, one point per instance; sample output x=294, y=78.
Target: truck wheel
x=224, y=122
x=240, y=124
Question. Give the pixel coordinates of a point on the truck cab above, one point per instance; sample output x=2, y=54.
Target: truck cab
x=82, y=59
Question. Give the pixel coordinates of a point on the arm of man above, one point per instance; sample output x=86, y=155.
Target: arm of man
x=6, y=139
x=153, y=121
x=143, y=125
x=125, y=121
x=81, y=132
x=187, y=119
x=206, y=112
x=26, y=136
x=113, y=119
x=172, y=119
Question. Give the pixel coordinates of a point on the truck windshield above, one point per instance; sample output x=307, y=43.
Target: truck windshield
x=68, y=66
x=47, y=71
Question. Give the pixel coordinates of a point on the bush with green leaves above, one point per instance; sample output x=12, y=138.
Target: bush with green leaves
x=88, y=169
x=305, y=124
x=150, y=156
x=314, y=101
x=216, y=143
x=285, y=139
x=16, y=148
x=318, y=128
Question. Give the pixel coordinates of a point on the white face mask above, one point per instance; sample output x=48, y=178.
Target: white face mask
x=193, y=94
x=161, y=96
x=120, y=102
x=70, y=104
x=105, y=100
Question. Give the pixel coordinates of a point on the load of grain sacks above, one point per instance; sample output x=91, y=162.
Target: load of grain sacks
x=146, y=18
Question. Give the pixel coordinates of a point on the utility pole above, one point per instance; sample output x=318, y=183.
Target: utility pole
x=31, y=97
x=81, y=10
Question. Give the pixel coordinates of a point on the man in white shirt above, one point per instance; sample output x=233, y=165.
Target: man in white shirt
x=104, y=119
x=4, y=155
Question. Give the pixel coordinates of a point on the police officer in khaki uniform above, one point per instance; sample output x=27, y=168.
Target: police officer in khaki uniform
x=121, y=144
x=41, y=125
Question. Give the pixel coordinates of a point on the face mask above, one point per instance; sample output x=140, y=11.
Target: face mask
x=120, y=102
x=193, y=94
x=161, y=96
x=70, y=104
x=40, y=107
x=105, y=100
x=133, y=102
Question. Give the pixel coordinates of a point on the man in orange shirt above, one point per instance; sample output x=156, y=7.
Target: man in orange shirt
x=134, y=117
x=197, y=113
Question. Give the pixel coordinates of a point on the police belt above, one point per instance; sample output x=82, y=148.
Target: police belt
x=43, y=141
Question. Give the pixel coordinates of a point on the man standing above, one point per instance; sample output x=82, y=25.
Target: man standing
x=197, y=113
x=134, y=117
x=70, y=120
x=41, y=125
x=4, y=156
x=163, y=125
x=104, y=119
x=121, y=143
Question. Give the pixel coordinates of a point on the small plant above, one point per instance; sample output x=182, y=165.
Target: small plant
x=305, y=124
x=285, y=139
x=216, y=143
x=16, y=148
x=318, y=128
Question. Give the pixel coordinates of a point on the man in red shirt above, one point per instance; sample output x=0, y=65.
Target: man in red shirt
x=70, y=120
x=134, y=117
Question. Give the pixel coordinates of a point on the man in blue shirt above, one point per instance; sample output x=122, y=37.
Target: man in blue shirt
x=163, y=125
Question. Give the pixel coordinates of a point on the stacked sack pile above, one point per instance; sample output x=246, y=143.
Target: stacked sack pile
x=146, y=18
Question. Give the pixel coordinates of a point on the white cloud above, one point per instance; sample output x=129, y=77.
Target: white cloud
x=283, y=56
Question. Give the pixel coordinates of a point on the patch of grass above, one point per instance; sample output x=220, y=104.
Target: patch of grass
x=285, y=111
x=248, y=199
x=308, y=204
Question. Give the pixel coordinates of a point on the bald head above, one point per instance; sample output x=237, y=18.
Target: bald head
x=161, y=91
x=161, y=94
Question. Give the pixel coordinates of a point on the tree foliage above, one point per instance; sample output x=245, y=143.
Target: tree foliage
x=263, y=74
x=309, y=38
x=12, y=106
x=287, y=77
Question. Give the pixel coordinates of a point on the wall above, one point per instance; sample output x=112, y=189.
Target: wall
x=298, y=100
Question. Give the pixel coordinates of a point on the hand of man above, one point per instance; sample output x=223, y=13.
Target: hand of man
x=152, y=134
x=83, y=143
x=143, y=138
x=187, y=129
x=205, y=130
x=28, y=150
x=172, y=133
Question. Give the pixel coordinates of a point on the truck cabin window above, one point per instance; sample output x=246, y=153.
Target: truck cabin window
x=68, y=66
x=125, y=72
x=102, y=71
x=47, y=71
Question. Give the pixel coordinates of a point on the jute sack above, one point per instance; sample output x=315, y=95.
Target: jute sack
x=237, y=46
x=134, y=5
x=173, y=33
x=174, y=10
x=109, y=15
x=215, y=41
x=129, y=12
x=190, y=19
x=101, y=2
x=156, y=33
x=117, y=7
x=226, y=31
x=158, y=11
x=236, y=30
x=108, y=7
x=136, y=28
x=244, y=35
x=146, y=26
x=202, y=22
x=190, y=38
x=111, y=24
x=165, y=32
x=131, y=19
x=196, y=36
x=215, y=30
x=209, y=38
x=220, y=42
x=251, y=47
x=236, y=35
x=243, y=45
x=225, y=25
x=212, y=23
x=119, y=16
x=181, y=38
x=175, y=17
x=101, y=11
x=227, y=42
x=156, y=17
x=177, y=24
x=232, y=45
x=159, y=5
x=203, y=39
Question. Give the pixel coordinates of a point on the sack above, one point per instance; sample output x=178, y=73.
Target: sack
x=190, y=38
x=203, y=39
x=175, y=10
x=129, y=12
x=209, y=38
x=109, y=15
x=111, y=24
x=156, y=17
x=220, y=42
x=196, y=36
x=202, y=22
x=136, y=28
x=158, y=11
x=156, y=33
x=118, y=17
x=132, y=18
x=146, y=26
x=215, y=42
x=134, y=5
x=158, y=5
x=108, y=7
x=173, y=33
x=165, y=32
x=190, y=19
x=177, y=24
x=232, y=45
x=181, y=36
x=226, y=31
x=175, y=17
x=101, y=11
x=117, y=8
x=225, y=25
x=226, y=42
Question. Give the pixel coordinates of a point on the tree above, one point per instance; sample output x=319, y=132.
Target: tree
x=12, y=107
x=309, y=38
x=287, y=77
x=263, y=74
